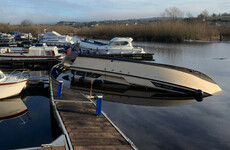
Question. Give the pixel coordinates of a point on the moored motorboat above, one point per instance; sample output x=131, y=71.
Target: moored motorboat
x=55, y=39
x=150, y=75
x=6, y=37
x=117, y=45
x=11, y=84
x=34, y=53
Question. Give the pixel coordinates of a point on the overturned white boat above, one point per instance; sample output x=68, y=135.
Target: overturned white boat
x=55, y=39
x=11, y=84
x=149, y=75
x=118, y=45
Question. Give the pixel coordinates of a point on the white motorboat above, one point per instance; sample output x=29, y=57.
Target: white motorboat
x=144, y=74
x=12, y=108
x=35, y=53
x=55, y=39
x=6, y=37
x=11, y=84
x=118, y=45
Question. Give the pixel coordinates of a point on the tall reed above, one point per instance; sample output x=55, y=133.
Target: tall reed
x=164, y=31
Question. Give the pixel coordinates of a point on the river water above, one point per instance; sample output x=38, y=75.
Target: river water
x=195, y=125
x=150, y=119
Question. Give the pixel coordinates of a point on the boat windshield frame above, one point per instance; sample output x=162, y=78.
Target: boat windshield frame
x=2, y=76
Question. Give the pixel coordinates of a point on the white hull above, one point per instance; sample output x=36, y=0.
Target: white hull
x=26, y=58
x=150, y=75
x=116, y=46
x=9, y=89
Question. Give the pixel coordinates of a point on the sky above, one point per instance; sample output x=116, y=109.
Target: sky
x=52, y=11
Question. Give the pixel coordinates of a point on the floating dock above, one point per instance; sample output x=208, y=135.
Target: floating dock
x=77, y=118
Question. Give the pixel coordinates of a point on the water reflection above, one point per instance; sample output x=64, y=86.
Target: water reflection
x=12, y=108
x=36, y=126
x=133, y=95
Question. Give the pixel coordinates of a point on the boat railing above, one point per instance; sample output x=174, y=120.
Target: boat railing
x=19, y=74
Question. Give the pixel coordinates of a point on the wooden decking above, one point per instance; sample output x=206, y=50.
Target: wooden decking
x=86, y=130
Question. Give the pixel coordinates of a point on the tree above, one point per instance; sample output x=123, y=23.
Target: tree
x=203, y=14
x=173, y=12
x=189, y=15
x=26, y=22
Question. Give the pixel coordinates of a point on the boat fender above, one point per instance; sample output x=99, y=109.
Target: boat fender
x=199, y=95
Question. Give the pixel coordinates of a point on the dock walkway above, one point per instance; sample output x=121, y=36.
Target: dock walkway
x=82, y=128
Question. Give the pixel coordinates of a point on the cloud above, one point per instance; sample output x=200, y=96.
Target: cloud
x=41, y=11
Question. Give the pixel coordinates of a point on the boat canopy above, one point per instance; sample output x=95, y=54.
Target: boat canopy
x=53, y=33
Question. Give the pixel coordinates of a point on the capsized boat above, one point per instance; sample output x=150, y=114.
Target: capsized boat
x=12, y=84
x=12, y=108
x=145, y=74
x=117, y=45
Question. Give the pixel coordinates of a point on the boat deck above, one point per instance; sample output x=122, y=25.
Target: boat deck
x=83, y=129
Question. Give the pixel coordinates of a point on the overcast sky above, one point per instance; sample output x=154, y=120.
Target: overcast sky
x=52, y=11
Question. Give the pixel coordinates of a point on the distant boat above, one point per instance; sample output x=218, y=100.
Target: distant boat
x=117, y=45
x=55, y=39
x=6, y=37
x=11, y=84
x=149, y=75
x=35, y=53
x=12, y=108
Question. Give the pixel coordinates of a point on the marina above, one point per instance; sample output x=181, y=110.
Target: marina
x=77, y=125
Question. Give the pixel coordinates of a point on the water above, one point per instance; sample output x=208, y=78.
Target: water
x=34, y=127
x=148, y=118
x=198, y=125
x=154, y=122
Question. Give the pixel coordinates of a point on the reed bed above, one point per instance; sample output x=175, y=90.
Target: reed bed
x=162, y=31
x=159, y=31
x=37, y=29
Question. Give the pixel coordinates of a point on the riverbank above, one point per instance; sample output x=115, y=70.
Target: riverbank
x=158, y=32
x=162, y=31
x=37, y=29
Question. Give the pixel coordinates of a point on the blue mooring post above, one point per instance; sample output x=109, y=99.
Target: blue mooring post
x=99, y=103
x=60, y=85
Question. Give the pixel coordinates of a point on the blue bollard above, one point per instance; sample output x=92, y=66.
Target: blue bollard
x=60, y=85
x=99, y=103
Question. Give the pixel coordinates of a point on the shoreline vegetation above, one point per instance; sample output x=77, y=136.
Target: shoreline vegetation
x=171, y=27
x=158, y=32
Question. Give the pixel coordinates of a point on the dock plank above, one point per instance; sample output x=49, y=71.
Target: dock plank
x=85, y=129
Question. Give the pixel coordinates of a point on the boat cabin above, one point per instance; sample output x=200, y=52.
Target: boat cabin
x=119, y=41
x=43, y=51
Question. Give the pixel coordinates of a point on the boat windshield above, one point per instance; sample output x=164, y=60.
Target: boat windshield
x=118, y=43
x=1, y=75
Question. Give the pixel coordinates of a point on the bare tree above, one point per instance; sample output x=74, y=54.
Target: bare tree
x=203, y=14
x=173, y=12
x=26, y=22
x=189, y=15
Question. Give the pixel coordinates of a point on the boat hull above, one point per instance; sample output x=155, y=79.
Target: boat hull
x=9, y=89
x=149, y=75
